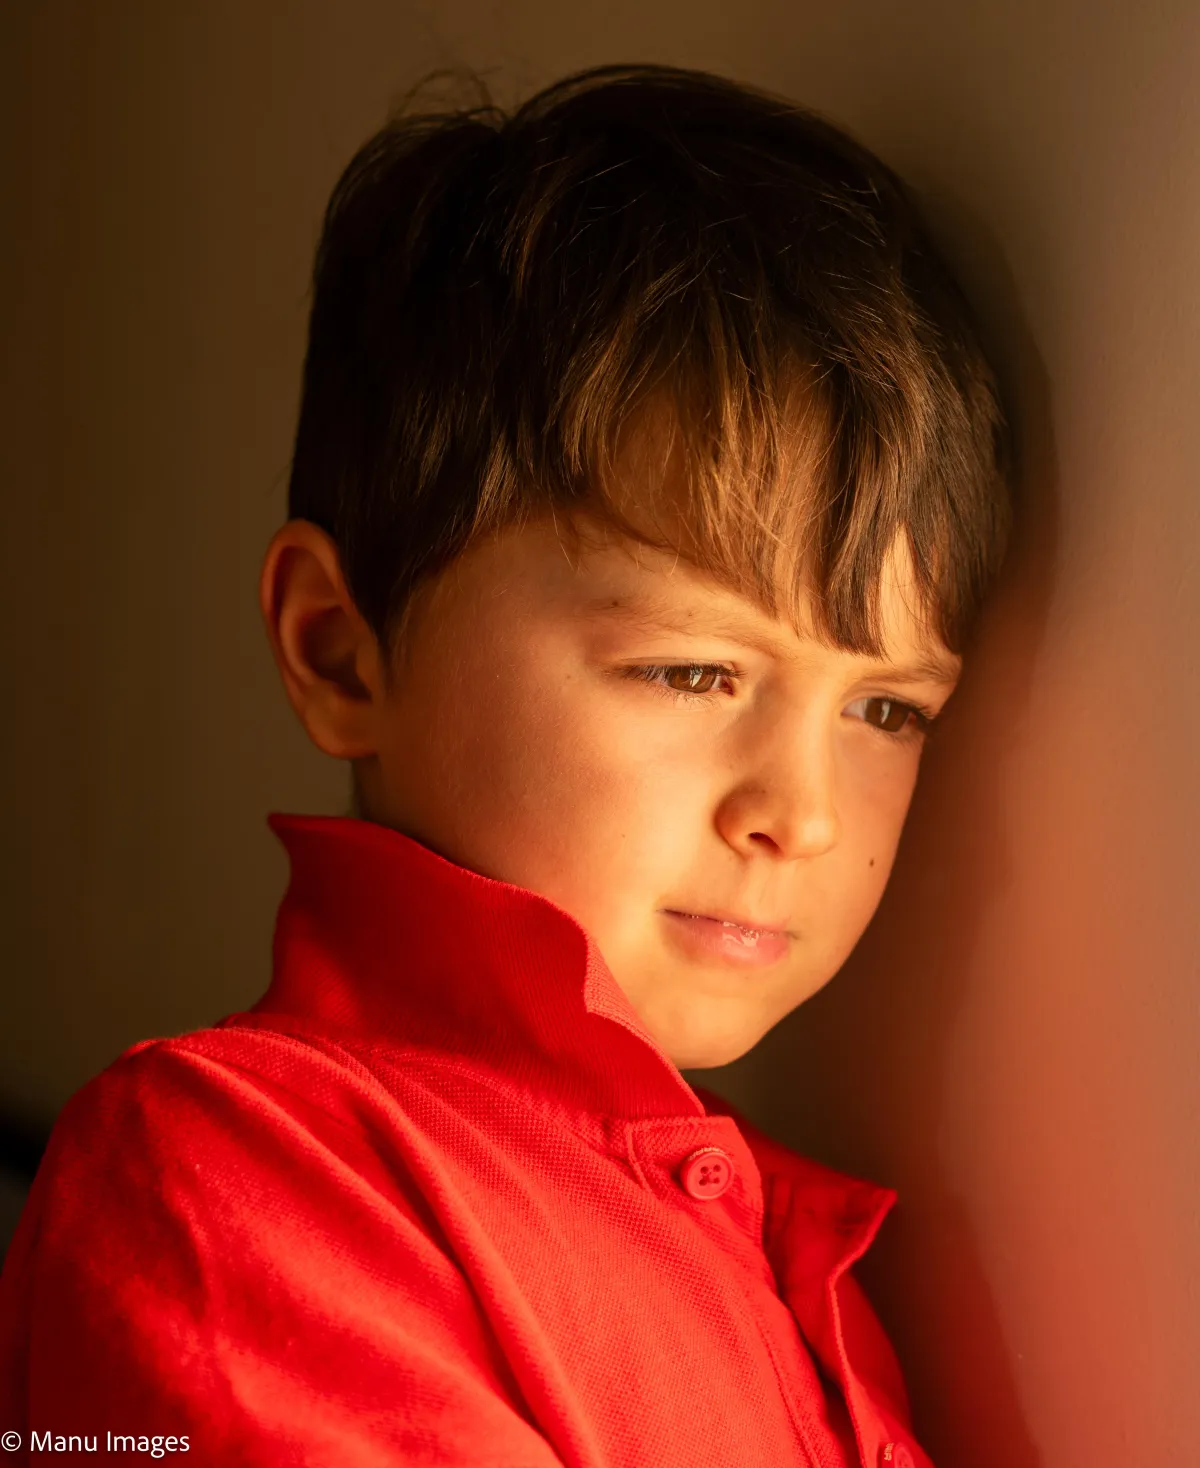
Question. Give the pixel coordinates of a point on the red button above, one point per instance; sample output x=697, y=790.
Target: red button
x=707, y=1173
x=895, y=1455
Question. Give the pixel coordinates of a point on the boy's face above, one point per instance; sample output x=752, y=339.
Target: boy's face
x=661, y=759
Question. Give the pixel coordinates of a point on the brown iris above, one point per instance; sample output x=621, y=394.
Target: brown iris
x=887, y=714
x=691, y=678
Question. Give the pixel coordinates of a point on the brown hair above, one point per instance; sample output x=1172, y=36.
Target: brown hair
x=500, y=297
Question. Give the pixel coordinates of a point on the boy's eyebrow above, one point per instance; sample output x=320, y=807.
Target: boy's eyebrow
x=926, y=668
x=651, y=615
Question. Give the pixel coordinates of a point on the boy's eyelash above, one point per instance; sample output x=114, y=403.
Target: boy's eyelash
x=654, y=674
x=922, y=717
x=918, y=725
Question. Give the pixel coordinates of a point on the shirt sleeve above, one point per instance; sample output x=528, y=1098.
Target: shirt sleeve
x=210, y=1255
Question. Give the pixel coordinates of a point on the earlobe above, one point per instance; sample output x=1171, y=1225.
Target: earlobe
x=327, y=656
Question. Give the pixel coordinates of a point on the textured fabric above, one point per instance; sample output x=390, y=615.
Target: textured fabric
x=426, y=1204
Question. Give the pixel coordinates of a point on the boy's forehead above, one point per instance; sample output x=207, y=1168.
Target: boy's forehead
x=621, y=580
x=658, y=559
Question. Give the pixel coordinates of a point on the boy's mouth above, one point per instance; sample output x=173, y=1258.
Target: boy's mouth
x=727, y=920
x=723, y=936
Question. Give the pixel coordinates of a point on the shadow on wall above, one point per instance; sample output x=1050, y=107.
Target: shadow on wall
x=21, y=1148
x=856, y=1077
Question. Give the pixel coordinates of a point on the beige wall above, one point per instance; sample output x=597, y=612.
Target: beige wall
x=1015, y=1043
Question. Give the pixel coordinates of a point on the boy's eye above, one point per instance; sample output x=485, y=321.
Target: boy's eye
x=701, y=681
x=691, y=678
x=891, y=716
x=694, y=680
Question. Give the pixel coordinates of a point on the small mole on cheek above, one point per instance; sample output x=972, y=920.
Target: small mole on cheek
x=871, y=862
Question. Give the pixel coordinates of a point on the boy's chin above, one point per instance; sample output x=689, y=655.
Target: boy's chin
x=711, y=1060
x=708, y=1052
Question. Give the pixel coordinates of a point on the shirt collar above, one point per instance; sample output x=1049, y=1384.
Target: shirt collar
x=380, y=940
x=379, y=936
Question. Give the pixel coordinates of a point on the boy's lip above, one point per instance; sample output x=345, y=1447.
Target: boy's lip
x=712, y=938
x=775, y=930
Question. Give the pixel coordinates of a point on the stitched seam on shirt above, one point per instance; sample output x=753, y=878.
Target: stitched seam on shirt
x=358, y=1051
x=356, y=1062
x=797, y=1421
x=482, y=1078
x=237, y=1067
x=185, y=1045
x=634, y=1160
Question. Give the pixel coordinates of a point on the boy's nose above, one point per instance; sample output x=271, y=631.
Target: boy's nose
x=793, y=821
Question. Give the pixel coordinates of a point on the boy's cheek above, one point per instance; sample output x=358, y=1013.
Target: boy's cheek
x=837, y=898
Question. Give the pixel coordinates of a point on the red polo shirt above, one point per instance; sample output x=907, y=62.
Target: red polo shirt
x=438, y=1198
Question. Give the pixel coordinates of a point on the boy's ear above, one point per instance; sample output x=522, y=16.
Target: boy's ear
x=328, y=656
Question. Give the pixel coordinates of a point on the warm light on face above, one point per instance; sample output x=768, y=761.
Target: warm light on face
x=715, y=797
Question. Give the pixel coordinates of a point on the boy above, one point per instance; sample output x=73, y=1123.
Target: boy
x=647, y=483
